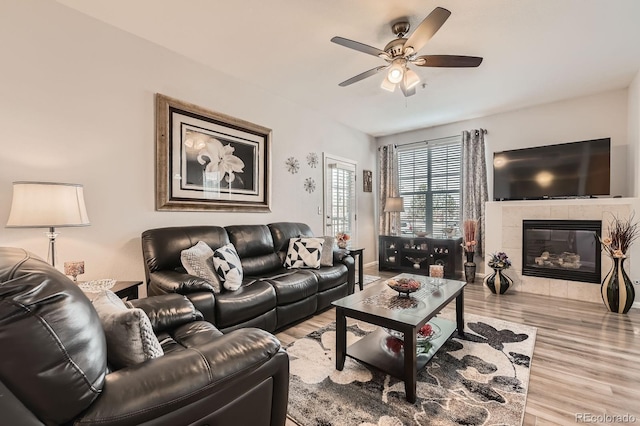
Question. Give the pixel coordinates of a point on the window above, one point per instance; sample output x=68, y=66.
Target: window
x=340, y=196
x=430, y=181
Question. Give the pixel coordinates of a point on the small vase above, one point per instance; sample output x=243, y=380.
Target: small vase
x=469, y=272
x=342, y=244
x=498, y=282
x=617, y=289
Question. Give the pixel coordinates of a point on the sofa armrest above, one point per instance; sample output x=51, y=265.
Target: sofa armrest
x=343, y=256
x=163, y=282
x=186, y=386
x=167, y=311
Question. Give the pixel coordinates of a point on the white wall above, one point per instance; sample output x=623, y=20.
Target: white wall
x=592, y=117
x=77, y=105
x=634, y=136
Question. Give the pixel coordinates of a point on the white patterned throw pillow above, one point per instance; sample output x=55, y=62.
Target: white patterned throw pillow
x=228, y=266
x=198, y=261
x=304, y=253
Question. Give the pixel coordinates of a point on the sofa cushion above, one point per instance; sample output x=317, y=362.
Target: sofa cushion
x=282, y=232
x=293, y=285
x=228, y=266
x=198, y=261
x=161, y=247
x=252, y=299
x=304, y=253
x=327, y=251
x=330, y=276
x=130, y=338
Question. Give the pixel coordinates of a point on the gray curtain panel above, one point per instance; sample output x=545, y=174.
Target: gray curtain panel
x=388, y=181
x=474, y=181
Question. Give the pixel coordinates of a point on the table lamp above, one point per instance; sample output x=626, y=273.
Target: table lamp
x=47, y=205
x=393, y=205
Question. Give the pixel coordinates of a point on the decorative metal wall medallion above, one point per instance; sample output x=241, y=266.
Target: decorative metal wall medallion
x=309, y=185
x=293, y=165
x=312, y=160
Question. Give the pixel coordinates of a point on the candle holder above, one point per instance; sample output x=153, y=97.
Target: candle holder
x=74, y=269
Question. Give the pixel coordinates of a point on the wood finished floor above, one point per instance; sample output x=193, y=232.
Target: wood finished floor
x=586, y=360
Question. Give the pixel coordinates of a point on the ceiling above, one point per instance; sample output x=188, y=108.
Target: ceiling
x=535, y=51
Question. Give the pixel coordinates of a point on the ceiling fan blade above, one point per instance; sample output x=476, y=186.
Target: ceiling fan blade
x=360, y=47
x=363, y=75
x=450, y=61
x=427, y=28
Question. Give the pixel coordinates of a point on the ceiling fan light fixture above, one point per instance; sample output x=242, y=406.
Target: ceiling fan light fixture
x=396, y=72
x=411, y=79
x=387, y=85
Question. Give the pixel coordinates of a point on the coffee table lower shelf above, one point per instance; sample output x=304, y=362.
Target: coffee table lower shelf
x=370, y=351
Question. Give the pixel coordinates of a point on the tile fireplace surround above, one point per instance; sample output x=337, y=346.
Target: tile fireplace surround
x=504, y=233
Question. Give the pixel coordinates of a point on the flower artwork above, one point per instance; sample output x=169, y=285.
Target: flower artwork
x=499, y=260
x=221, y=164
x=309, y=185
x=293, y=165
x=469, y=229
x=621, y=234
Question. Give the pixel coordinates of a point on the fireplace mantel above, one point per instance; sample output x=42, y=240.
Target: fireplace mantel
x=503, y=226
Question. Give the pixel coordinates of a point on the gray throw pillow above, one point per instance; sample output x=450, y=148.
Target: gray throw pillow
x=198, y=261
x=327, y=251
x=129, y=335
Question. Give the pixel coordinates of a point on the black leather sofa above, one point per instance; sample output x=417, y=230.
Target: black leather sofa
x=53, y=361
x=271, y=297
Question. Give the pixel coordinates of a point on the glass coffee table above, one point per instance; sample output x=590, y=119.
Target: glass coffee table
x=382, y=306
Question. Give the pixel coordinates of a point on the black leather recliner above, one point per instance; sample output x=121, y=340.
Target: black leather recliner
x=53, y=361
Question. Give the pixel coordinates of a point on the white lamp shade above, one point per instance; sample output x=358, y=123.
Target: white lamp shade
x=394, y=204
x=47, y=204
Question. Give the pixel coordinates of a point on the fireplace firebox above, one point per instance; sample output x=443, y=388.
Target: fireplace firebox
x=562, y=249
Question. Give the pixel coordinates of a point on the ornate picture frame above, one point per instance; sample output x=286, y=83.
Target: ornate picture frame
x=206, y=160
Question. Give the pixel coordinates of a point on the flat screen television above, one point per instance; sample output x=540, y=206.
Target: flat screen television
x=576, y=169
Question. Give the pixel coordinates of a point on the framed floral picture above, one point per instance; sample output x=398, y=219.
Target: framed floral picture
x=367, y=181
x=210, y=161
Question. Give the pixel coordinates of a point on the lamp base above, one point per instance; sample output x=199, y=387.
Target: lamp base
x=51, y=255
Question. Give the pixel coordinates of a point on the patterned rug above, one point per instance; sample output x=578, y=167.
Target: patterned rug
x=479, y=380
x=368, y=279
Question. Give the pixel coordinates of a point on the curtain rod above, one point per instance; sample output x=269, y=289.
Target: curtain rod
x=427, y=141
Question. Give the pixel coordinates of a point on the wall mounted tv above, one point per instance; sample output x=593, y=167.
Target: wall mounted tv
x=568, y=170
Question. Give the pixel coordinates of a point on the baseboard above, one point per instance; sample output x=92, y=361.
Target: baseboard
x=367, y=265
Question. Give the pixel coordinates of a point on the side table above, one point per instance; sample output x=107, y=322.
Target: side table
x=359, y=252
x=127, y=290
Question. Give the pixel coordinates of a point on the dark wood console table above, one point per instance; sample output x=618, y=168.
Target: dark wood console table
x=400, y=253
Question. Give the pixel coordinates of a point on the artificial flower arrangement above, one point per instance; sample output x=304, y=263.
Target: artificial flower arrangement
x=499, y=260
x=469, y=229
x=342, y=238
x=621, y=234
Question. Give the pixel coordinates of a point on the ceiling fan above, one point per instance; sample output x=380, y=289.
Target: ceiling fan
x=401, y=52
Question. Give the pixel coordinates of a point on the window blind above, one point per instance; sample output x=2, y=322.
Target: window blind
x=430, y=181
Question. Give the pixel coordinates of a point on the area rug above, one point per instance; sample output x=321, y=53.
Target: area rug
x=479, y=380
x=368, y=279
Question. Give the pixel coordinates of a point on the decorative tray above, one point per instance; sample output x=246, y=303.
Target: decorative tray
x=97, y=286
x=403, y=285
